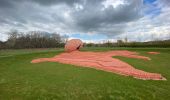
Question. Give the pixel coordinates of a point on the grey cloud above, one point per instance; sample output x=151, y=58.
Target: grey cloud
x=5, y=3
x=92, y=18
x=54, y=2
x=9, y=4
x=164, y=2
x=50, y=15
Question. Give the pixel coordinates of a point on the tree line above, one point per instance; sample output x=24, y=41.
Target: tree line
x=156, y=43
x=41, y=39
x=33, y=39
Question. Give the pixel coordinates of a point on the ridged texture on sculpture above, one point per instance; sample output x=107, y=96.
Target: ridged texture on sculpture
x=101, y=61
x=73, y=45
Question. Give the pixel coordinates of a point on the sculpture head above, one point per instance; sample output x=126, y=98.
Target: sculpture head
x=73, y=45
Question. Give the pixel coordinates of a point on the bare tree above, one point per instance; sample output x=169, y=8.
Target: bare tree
x=12, y=36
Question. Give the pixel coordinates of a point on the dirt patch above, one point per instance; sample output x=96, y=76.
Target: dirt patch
x=104, y=61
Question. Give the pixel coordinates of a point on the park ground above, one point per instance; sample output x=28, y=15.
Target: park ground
x=22, y=80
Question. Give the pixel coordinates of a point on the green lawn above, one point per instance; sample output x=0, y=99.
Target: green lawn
x=21, y=80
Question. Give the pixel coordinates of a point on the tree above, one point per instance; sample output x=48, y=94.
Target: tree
x=12, y=36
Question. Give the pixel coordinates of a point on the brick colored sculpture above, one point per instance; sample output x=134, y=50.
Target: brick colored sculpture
x=101, y=61
x=72, y=45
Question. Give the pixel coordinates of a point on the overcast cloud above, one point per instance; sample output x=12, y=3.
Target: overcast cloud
x=112, y=18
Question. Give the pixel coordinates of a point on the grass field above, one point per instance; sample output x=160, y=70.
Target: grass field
x=21, y=80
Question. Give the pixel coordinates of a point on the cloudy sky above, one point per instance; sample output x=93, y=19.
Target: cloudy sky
x=89, y=20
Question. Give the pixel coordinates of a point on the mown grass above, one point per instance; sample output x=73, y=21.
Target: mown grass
x=21, y=80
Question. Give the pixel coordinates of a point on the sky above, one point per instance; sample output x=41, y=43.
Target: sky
x=88, y=20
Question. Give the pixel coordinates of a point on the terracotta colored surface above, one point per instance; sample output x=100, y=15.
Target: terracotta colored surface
x=104, y=61
x=72, y=45
x=153, y=53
